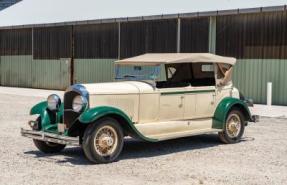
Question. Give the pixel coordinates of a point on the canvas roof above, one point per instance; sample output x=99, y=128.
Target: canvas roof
x=170, y=58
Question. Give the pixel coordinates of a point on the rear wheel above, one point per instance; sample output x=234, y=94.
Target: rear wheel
x=234, y=127
x=46, y=147
x=103, y=141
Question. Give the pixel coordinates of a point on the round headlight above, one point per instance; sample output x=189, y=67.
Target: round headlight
x=54, y=102
x=79, y=103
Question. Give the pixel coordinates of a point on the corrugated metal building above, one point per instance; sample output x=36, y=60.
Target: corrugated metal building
x=53, y=56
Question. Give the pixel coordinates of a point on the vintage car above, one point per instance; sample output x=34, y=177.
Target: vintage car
x=155, y=97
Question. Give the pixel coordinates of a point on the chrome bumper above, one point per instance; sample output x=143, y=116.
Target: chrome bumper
x=50, y=137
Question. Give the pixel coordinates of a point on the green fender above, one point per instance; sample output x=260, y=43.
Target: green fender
x=46, y=123
x=96, y=113
x=223, y=109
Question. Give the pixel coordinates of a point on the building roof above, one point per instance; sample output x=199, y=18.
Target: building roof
x=171, y=58
x=42, y=12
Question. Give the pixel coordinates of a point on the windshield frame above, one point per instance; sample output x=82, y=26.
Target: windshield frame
x=154, y=75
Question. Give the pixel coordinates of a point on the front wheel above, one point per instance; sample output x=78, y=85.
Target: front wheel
x=234, y=127
x=48, y=147
x=103, y=141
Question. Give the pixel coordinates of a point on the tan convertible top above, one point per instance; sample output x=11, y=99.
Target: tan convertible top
x=170, y=58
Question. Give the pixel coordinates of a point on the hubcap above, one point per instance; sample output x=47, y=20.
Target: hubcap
x=233, y=125
x=106, y=140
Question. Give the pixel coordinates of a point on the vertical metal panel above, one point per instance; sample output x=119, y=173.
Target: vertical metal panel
x=253, y=36
x=212, y=35
x=119, y=40
x=194, y=35
x=132, y=39
x=96, y=41
x=23, y=71
x=15, y=42
x=157, y=36
x=16, y=71
x=251, y=76
x=94, y=70
x=178, y=35
x=52, y=42
x=50, y=74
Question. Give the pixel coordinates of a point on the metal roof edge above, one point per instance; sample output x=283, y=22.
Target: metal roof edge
x=155, y=17
x=273, y=8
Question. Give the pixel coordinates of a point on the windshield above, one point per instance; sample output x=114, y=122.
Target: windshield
x=129, y=72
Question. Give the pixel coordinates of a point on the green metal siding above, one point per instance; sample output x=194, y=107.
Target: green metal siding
x=251, y=76
x=23, y=71
x=93, y=70
x=16, y=71
x=51, y=74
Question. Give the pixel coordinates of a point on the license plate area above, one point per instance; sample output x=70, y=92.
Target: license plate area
x=61, y=127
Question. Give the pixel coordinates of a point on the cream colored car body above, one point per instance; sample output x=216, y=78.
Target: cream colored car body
x=175, y=95
x=163, y=113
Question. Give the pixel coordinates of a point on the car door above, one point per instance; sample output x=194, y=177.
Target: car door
x=199, y=102
x=171, y=104
x=201, y=95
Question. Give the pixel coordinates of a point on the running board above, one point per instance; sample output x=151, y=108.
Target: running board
x=167, y=136
x=175, y=129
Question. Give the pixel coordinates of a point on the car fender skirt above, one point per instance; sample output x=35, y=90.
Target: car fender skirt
x=224, y=107
x=94, y=114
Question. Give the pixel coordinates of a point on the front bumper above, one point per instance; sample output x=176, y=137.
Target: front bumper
x=50, y=137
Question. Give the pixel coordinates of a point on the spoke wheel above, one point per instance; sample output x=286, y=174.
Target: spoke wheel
x=103, y=141
x=106, y=140
x=233, y=125
x=233, y=128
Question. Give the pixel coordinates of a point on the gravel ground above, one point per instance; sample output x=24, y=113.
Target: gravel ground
x=261, y=158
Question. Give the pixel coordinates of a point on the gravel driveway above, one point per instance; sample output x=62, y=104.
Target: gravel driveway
x=261, y=158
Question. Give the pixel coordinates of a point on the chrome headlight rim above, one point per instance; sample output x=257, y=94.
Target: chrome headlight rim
x=79, y=103
x=53, y=102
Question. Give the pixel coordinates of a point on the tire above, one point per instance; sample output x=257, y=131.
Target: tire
x=47, y=147
x=103, y=141
x=232, y=132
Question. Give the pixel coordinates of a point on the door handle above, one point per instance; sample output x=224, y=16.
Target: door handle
x=213, y=99
x=181, y=101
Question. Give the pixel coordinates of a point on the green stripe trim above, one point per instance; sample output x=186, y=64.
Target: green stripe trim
x=186, y=92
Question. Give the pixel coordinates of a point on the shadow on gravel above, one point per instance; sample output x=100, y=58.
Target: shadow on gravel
x=137, y=149
x=72, y=155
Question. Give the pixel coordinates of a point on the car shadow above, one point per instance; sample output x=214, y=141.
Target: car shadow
x=137, y=149
x=140, y=149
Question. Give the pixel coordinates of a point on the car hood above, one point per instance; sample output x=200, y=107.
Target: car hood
x=126, y=87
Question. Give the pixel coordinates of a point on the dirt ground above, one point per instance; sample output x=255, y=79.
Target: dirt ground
x=261, y=157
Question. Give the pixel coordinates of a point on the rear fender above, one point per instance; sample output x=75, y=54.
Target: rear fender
x=223, y=109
